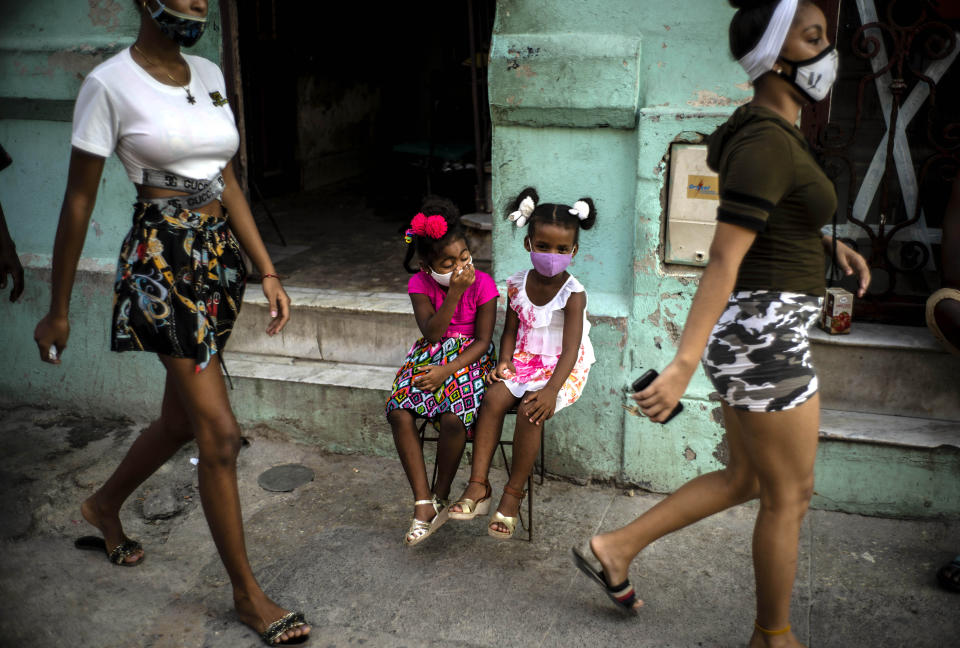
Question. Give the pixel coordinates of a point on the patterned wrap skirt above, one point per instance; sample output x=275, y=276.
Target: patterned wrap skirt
x=179, y=286
x=460, y=394
x=758, y=356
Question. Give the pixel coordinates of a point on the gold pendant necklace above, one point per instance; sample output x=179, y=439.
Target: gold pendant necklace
x=190, y=98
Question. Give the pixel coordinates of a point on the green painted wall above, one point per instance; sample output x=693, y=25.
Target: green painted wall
x=46, y=49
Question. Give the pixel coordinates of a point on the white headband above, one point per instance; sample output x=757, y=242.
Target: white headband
x=761, y=58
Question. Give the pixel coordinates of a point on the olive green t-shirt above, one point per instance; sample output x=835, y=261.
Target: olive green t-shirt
x=770, y=183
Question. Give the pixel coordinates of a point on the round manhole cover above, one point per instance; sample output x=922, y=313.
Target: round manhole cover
x=283, y=479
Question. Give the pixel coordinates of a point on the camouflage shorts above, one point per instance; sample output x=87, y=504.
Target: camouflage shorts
x=758, y=356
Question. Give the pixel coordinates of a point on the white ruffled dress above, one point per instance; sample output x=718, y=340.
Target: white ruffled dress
x=540, y=341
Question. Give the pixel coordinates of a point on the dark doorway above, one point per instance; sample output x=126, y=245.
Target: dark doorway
x=353, y=114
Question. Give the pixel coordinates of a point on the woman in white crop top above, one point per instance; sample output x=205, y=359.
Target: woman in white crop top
x=180, y=278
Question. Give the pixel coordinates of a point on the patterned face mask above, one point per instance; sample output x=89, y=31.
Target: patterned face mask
x=182, y=29
x=815, y=76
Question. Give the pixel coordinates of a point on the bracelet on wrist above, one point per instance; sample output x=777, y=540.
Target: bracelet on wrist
x=269, y=275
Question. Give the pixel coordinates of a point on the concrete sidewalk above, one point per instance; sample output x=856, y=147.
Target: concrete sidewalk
x=333, y=549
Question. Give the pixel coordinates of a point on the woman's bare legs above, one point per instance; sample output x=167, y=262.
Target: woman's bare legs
x=782, y=447
x=695, y=500
x=151, y=449
x=204, y=399
x=486, y=434
x=771, y=456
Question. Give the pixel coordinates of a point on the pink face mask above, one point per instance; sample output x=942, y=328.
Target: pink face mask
x=549, y=264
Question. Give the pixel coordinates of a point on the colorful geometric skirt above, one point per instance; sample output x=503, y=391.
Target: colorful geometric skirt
x=179, y=285
x=460, y=394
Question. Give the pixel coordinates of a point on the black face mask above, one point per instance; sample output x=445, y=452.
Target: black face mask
x=180, y=28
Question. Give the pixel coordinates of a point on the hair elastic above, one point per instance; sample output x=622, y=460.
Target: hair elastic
x=522, y=215
x=433, y=226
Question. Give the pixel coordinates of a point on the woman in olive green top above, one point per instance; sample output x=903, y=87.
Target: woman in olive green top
x=758, y=295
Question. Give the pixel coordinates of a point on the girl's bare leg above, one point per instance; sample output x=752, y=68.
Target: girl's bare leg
x=486, y=435
x=407, y=441
x=526, y=448
x=453, y=438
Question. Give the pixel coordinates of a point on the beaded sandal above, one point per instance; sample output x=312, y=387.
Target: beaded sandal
x=286, y=623
x=510, y=522
x=470, y=509
x=119, y=554
x=420, y=530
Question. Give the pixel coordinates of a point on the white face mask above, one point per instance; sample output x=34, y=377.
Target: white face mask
x=815, y=76
x=444, y=279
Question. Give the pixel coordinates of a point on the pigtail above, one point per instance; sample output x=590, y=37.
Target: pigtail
x=411, y=250
x=586, y=220
x=514, y=205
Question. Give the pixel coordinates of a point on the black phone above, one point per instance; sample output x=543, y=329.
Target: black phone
x=644, y=381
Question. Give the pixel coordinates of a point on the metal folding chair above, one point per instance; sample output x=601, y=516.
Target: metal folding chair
x=528, y=523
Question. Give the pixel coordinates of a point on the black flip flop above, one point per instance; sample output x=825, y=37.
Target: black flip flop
x=949, y=576
x=290, y=621
x=118, y=556
x=623, y=595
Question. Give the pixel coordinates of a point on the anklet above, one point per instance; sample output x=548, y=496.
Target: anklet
x=771, y=633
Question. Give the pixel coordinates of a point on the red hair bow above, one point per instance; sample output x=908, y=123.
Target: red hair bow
x=433, y=226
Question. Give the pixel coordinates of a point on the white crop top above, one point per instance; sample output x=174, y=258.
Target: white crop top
x=150, y=124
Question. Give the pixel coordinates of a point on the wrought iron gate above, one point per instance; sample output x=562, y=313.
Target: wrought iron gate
x=890, y=140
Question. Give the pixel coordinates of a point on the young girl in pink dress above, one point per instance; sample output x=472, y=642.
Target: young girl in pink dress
x=443, y=376
x=545, y=354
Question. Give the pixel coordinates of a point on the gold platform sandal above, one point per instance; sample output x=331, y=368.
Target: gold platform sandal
x=420, y=530
x=470, y=509
x=507, y=521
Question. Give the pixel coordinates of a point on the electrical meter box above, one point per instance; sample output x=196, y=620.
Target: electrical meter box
x=692, y=200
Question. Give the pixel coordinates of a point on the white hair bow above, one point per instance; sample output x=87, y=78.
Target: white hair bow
x=522, y=215
x=581, y=210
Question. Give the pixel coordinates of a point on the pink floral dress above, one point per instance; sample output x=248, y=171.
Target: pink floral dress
x=540, y=341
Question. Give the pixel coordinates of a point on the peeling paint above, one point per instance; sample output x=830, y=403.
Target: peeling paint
x=108, y=13
x=722, y=451
x=654, y=318
x=717, y=415
x=524, y=71
x=746, y=86
x=673, y=331
x=709, y=99
x=689, y=454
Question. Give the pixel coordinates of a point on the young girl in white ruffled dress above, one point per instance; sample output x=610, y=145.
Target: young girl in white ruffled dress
x=545, y=354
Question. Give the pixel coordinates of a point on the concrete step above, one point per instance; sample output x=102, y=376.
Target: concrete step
x=880, y=464
x=873, y=464
x=899, y=370
x=365, y=328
